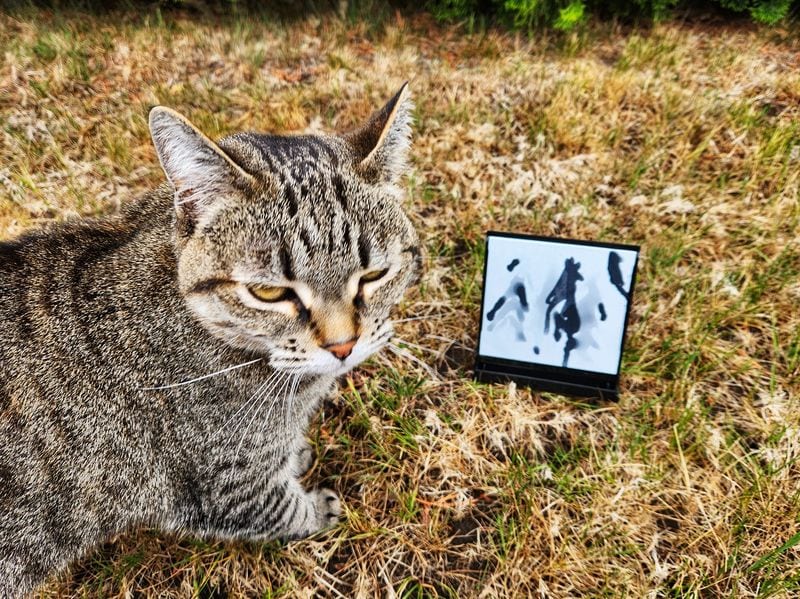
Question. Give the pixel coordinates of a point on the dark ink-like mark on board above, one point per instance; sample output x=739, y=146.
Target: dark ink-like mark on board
x=523, y=300
x=615, y=273
x=512, y=265
x=514, y=303
x=602, y=309
x=498, y=304
x=536, y=349
x=567, y=320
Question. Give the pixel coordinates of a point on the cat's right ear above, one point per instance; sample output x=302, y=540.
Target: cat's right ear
x=199, y=170
x=381, y=144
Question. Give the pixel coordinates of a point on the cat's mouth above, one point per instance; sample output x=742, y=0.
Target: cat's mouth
x=320, y=364
x=323, y=362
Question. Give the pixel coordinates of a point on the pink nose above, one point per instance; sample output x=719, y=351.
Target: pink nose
x=341, y=350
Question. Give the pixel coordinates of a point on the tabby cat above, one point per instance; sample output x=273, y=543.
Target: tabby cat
x=160, y=367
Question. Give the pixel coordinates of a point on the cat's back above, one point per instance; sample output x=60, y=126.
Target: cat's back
x=46, y=264
x=18, y=276
x=12, y=260
x=16, y=267
x=56, y=293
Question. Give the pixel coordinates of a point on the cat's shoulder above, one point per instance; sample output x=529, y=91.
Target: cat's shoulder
x=59, y=238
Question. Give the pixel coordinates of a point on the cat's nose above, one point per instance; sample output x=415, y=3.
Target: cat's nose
x=341, y=350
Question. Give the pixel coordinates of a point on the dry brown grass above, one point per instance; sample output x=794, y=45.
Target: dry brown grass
x=685, y=140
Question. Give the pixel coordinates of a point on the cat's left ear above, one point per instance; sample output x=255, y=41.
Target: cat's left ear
x=381, y=144
x=201, y=172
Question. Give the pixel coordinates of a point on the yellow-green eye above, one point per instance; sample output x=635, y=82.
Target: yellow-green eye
x=271, y=294
x=373, y=275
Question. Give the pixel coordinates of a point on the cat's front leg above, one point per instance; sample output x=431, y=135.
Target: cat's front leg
x=281, y=510
x=306, y=512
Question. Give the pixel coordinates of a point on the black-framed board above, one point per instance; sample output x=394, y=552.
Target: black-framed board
x=554, y=312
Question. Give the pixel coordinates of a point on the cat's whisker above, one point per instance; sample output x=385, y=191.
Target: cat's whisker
x=265, y=397
x=257, y=400
x=201, y=378
x=415, y=346
x=292, y=393
x=274, y=382
x=381, y=341
x=415, y=318
x=244, y=405
x=294, y=369
x=291, y=382
x=412, y=358
x=278, y=398
x=285, y=400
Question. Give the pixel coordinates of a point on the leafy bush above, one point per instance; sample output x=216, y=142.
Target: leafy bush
x=763, y=11
x=568, y=14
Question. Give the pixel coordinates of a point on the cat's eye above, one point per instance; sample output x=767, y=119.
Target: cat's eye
x=373, y=275
x=271, y=294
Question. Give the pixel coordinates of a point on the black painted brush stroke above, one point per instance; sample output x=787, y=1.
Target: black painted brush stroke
x=567, y=319
x=516, y=291
x=497, y=305
x=615, y=274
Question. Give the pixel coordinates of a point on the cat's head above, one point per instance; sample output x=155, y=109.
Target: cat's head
x=293, y=247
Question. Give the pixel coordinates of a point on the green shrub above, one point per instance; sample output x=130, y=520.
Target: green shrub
x=768, y=12
x=568, y=14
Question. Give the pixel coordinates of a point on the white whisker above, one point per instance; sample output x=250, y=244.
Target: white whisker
x=269, y=380
x=415, y=346
x=294, y=369
x=201, y=378
x=288, y=378
x=273, y=382
x=415, y=318
x=291, y=382
x=446, y=339
x=411, y=357
x=290, y=401
x=265, y=397
x=249, y=403
x=382, y=339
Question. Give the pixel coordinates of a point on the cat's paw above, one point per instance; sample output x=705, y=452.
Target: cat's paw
x=327, y=508
x=322, y=509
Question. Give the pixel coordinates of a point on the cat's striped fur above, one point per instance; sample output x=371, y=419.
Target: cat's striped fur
x=100, y=320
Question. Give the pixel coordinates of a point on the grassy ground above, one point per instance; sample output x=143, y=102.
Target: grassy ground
x=683, y=139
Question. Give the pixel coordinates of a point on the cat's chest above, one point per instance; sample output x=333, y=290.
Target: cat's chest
x=257, y=409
